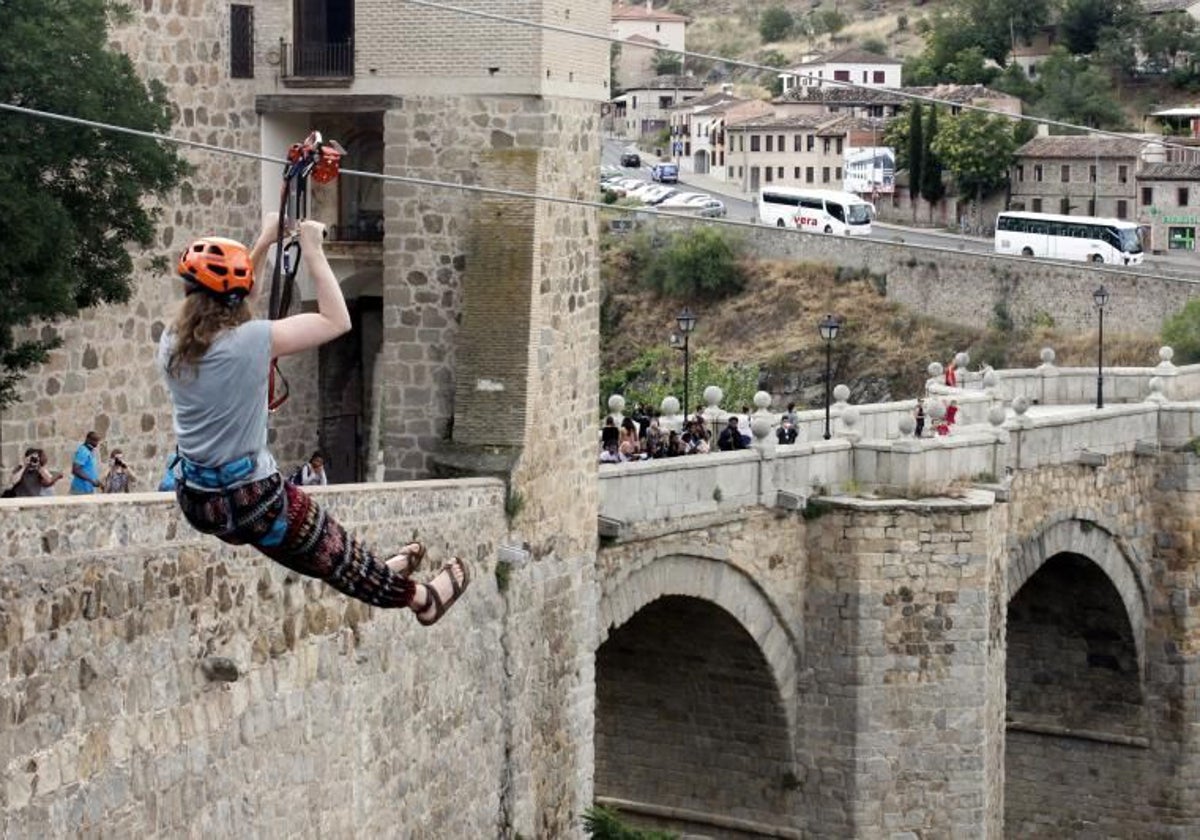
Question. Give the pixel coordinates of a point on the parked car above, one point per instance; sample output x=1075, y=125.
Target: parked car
x=666, y=173
x=685, y=197
x=666, y=195
x=713, y=208
x=631, y=159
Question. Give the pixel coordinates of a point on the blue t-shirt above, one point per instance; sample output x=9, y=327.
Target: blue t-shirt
x=89, y=465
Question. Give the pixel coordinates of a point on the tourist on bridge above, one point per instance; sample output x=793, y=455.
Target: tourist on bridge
x=216, y=359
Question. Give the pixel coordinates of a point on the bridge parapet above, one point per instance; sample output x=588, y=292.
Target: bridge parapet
x=786, y=476
x=1050, y=385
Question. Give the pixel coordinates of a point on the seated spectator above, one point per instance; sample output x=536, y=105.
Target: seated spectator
x=610, y=455
x=731, y=439
x=675, y=446
x=654, y=438
x=744, y=424
x=609, y=433
x=629, y=443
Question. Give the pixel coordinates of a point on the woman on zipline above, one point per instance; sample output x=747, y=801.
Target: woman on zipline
x=216, y=359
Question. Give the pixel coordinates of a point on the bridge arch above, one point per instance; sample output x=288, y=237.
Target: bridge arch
x=722, y=584
x=1085, y=533
x=1075, y=686
x=695, y=676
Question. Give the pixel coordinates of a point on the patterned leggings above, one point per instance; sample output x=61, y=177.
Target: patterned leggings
x=284, y=523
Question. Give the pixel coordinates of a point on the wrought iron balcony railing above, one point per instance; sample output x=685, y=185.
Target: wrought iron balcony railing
x=317, y=60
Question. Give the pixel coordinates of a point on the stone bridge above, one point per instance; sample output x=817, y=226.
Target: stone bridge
x=989, y=634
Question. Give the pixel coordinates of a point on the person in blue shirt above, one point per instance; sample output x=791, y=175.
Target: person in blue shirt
x=85, y=466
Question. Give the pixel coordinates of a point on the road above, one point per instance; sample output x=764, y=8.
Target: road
x=1184, y=266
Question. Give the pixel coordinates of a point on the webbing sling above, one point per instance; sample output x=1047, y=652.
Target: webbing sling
x=321, y=160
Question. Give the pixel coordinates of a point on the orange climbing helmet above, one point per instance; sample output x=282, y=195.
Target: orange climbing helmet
x=218, y=266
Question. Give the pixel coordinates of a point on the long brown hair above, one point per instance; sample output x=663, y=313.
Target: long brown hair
x=201, y=319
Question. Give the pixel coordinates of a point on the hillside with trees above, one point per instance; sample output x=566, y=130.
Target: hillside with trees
x=1107, y=61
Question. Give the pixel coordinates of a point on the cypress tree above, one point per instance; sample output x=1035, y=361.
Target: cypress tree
x=932, y=188
x=916, y=154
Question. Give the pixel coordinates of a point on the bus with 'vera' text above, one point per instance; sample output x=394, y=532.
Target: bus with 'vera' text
x=816, y=211
x=1085, y=238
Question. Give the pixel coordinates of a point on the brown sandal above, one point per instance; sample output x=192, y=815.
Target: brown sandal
x=435, y=601
x=413, y=556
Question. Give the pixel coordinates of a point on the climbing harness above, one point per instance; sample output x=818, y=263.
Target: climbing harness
x=321, y=160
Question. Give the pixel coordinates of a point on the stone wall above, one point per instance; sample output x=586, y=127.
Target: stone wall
x=1130, y=518
x=904, y=629
x=161, y=683
x=966, y=288
x=104, y=377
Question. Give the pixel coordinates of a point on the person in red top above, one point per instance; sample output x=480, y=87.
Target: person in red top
x=951, y=375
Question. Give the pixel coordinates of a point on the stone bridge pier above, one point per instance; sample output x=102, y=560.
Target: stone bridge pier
x=1004, y=661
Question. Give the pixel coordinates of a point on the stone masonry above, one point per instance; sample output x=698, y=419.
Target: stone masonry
x=966, y=288
x=159, y=683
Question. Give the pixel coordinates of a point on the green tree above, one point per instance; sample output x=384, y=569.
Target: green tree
x=775, y=24
x=1165, y=37
x=772, y=81
x=933, y=189
x=993, y=25
x=1182, y=332
x=667, y=63
x=978, y=149
x=600, y=823
x=916, y=153
x=71, y=197
x=1074, y=91
x=658, y=373
x=874, y=45
x=969, y=67
x=701, y=262
x=1082, y=22
x=829, y=20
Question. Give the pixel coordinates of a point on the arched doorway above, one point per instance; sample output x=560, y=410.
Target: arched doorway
x=690, y=724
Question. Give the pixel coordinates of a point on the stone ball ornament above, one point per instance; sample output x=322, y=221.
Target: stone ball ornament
x=616, y=404
x=760, y=427
x=997, y=415
x=1020, y=405
x=670, y=406
x=841, y=393
x=906, y=425
x=713, y=396
x=762, y=400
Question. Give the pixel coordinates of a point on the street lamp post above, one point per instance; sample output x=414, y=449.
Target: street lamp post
x=829, y=331
x=1100, y=296
x=686, y=322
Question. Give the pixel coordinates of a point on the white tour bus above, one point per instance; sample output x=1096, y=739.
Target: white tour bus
x=816, y=211
x=1112, y=241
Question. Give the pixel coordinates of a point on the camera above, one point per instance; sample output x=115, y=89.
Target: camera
x=34, y=461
